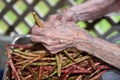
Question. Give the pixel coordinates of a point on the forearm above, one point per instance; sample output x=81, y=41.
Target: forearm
x=103, y=50
x=89, y=10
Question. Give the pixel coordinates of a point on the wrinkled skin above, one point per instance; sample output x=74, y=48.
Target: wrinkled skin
x=59, y=36
x=92, y=9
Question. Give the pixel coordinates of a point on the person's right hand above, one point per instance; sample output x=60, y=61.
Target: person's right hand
x=58, y=36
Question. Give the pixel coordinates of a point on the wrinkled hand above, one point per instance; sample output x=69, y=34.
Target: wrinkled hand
x=58, y=36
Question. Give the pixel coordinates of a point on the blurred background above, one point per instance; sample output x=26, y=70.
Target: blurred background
x=16, y=19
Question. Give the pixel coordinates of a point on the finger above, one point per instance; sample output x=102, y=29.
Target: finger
x=56, y=51
x=39, y=39
x=36, y=30
x=48, y=24
x=54, y=17
x=56, y=48
x=43, y=39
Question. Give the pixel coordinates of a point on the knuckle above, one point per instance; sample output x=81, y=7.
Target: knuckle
x=33, y=38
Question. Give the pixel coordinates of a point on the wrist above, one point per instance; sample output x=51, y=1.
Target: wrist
x=84, y=41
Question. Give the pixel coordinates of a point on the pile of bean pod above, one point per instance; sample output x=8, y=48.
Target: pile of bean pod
x=34, y=62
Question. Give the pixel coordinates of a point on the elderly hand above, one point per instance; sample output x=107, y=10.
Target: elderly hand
x=58, y=36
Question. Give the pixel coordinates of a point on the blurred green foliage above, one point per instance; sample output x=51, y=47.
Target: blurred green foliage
x=20, y=7
x=102, y=27
x=22, y=28
x=3, y=27
x=2, y=5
